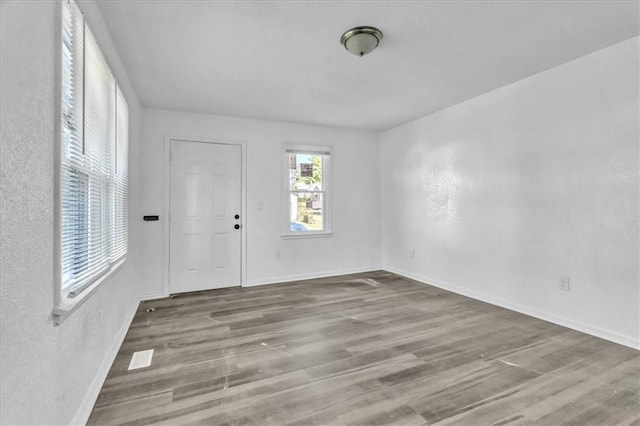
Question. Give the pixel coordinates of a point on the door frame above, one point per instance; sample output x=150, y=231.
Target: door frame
x=167, y=203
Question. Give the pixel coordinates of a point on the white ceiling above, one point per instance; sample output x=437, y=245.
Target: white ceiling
x=282, y=60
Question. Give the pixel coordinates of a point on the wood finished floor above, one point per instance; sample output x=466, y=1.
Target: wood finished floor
x=371, y=348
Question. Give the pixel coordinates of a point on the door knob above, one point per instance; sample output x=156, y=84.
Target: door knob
x=236, y=226
x=237, y=216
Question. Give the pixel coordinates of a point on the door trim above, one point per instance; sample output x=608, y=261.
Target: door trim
x=167, y=203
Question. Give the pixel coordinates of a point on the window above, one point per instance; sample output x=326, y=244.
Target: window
x=93, y=207
x=307, y=198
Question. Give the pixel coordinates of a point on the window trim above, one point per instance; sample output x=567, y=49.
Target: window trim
x=64, y=305
x=67, y=305
x=327, y=153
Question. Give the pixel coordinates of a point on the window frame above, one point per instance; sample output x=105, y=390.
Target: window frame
x=68, y=298
x=327, y=153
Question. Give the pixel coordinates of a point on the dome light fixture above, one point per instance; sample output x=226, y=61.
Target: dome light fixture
x=361, y=40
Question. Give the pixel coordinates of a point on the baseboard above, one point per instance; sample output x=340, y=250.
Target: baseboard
x=310, y=276
x=84, y=411
x=153, y=296
x=285, y=279
x=584, y=328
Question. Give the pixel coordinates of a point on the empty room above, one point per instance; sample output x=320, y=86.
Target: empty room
x=319, y=212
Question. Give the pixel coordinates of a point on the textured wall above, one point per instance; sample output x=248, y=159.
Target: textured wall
x=46, y=370
x=356, y=212
x=503, y=194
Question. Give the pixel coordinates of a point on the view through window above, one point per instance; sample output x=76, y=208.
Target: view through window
x=307, y=190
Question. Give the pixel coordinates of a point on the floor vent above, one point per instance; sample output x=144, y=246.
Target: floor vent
x=141, y=359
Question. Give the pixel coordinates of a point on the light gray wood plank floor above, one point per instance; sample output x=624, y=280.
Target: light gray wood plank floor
x=371, y=348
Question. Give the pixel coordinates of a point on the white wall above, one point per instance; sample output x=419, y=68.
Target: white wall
x=355, y=246
x=50, y=374
x=498, y=196
x=503, y=194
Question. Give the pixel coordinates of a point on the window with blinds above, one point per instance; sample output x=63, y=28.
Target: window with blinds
x=93, y=160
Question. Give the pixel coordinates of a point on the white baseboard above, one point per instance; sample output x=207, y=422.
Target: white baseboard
x=84, y=411
x=284, y=279
x=153, y=296
x=546, y=316
x=310, y=276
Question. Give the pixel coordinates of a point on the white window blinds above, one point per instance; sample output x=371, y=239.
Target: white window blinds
x=93, y=175
x=121, y=212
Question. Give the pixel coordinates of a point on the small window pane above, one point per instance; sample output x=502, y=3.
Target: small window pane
x=305, y=172
x=307, y=211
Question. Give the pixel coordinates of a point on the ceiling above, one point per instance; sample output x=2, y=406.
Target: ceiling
x=282, y=60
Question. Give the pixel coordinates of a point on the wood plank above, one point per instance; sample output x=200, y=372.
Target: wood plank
x=371, y=348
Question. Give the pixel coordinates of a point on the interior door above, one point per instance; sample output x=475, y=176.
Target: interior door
x=205, y=223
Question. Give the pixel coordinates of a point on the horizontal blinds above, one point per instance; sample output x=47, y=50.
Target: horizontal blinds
x=121, y=211
x=308, y=151
x=74, y=179
x=72, y=82
x=93, y=191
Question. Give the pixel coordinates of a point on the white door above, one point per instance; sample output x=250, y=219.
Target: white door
x=205, y=232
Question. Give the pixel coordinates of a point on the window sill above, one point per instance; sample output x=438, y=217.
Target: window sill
x=303, y=235
x=68, y=305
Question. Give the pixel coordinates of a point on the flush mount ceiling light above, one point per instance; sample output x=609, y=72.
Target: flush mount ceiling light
x=361, y=40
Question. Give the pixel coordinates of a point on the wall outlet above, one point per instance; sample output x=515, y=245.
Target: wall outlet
x=278, y=255
x=412, y=253
x=564, y=284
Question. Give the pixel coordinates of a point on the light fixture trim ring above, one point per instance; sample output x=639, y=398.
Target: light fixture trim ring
x=361, y=30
